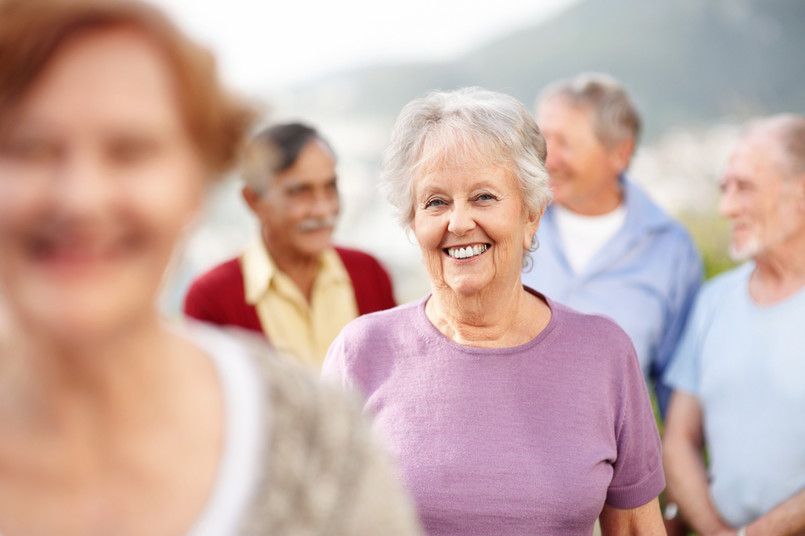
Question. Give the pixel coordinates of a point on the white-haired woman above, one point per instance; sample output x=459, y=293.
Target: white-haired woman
x=508, y=413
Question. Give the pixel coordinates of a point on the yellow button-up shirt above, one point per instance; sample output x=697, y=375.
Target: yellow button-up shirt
x=294, y=326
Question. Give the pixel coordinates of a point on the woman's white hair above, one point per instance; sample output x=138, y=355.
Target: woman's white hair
x=471, y=126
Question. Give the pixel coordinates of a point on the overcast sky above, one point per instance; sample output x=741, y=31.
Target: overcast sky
x=272, y=44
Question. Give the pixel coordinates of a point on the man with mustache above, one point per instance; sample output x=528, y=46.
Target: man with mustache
x=292, y=284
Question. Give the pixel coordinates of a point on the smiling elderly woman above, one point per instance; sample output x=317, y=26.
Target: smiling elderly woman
x=508, y=413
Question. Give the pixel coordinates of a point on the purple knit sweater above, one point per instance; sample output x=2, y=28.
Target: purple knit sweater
x=532, y=439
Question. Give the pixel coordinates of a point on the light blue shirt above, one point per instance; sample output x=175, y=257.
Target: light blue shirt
x=645, y=278
x=746, y=365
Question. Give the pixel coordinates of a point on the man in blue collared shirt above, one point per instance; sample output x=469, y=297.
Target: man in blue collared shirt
x=605, y=247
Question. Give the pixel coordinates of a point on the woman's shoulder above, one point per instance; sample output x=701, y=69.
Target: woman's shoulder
x=228, y=346
x=589, y=329
x=386, y=323
x=564, y=316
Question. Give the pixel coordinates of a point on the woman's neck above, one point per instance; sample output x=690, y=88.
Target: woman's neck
x=138, y=423
x=99, y=382
x=490, y=319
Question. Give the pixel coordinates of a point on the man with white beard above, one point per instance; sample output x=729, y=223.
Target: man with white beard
x=292, y=284
x=739, y=372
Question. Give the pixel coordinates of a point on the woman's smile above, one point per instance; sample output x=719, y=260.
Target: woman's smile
x=466, y=252
x=77, y=253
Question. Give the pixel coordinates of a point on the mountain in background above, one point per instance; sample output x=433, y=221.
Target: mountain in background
x=689, y=64
x=686, y=62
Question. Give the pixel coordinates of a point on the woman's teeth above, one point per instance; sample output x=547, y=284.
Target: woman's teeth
x=469, y=251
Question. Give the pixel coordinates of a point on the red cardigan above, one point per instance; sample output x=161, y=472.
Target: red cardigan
x=218, y=296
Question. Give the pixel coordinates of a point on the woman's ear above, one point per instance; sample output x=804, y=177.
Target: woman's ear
x=531, y=226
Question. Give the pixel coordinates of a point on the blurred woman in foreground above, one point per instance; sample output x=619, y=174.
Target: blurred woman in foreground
x=508, y=413
x=112, y=124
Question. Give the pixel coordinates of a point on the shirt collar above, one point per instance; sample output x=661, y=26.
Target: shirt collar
x=642, y=213
x=259, y=270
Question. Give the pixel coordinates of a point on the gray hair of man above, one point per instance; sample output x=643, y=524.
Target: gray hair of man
x=469, y=126
x=275, y=149
x=615, y=117
x=788, y=131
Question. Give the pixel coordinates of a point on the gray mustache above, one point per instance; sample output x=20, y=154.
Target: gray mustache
x=314, y=224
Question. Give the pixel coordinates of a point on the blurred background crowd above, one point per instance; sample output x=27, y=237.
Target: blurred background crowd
x=697, y=72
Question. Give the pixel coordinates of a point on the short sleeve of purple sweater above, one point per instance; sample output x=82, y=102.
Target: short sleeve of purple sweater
x=523, y=440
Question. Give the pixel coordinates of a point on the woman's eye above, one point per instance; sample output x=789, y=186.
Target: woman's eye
x=485, y=197
x=30, y=150
x=434, y=203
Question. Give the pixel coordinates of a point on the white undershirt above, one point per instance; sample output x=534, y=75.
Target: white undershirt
x=245, y=431
x=583, y=236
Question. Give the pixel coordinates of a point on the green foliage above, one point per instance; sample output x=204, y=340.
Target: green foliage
x=711, y=234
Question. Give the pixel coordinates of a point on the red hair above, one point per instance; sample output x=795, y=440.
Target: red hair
x=31, y=31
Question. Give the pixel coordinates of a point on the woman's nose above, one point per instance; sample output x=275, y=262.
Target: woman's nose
x=81, y=186
x=461, y=220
